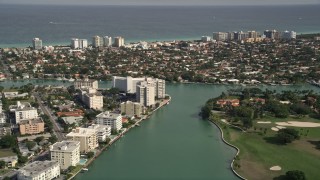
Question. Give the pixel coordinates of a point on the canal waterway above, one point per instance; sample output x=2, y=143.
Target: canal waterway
x=174, y=143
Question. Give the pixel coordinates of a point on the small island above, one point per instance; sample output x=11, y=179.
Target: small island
x=276, y=133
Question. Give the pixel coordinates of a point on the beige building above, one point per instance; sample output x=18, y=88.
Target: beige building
x=87, y=137
x=118, y=41
x=86, y=83
x=10, y=161
x=39, y=170
x=31, y=126
x=92, y=98
x=67, y=153
x=131, y=109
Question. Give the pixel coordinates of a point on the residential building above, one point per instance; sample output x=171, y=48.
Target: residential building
x=205, y=38
x=10, y=161
x=91, y=98
x=87, y=138
x=97, y=41
x=31, y=126
x=39, y=170
x=131, y=109
x=288, y=35
x=118, y=41
x=86, y=83
x=23, y=111
x=232, y=102
x=253, y=34
x=75, y=112
x=13, y=94
x=79, y=43
x=111, y=119
x=127, y=84
x=220, y=36
x=160, y=88
x=67, y=153
x=37, y=43
x=3, y=118
x=107, y=41
x=146, y=93
x=102, y=131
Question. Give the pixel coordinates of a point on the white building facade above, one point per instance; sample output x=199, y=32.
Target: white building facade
x=87, y=138
x=111, y=119
x=39, y=170
x=66, y=153
x=146, y=93
x=102, y=131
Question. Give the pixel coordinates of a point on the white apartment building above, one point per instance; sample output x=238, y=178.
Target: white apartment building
x=111, y=119
x=126, y=84
x=66, y=153
x=107, y=41
x=131, y=109
x=288, y=35
x=146, y=93
x=23, y=111
x=79, y=43
x=39, y=170
x=160, y=88
x=87, y=138
x=102, y=131
x=37, y=43
x=92, y=98
x=220, y=36
x=97, y=41
x=85, y=83
x=118, y=41
x=205, y=38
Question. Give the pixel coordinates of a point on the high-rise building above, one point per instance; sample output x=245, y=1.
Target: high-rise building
x=102, y=131
x=79, y=43
x=253, y=34
x=37, y=43
x=118, y=41
x=160, y=90
x=289, y=35
x=39, y=170
x=126, y=84
x=273, y=34
x=146, y=93
x=131, y=109
x=220, y=36
x=92, y=98
x=87, y=138
x=107, y=41
x=66, y=153
x=111, y=119
x=97, y=41
x=205, y=38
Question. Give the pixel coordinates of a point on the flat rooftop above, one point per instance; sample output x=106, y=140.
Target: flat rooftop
x=36, y=167
x=65, y=146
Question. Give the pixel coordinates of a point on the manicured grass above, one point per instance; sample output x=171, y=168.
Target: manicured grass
x=259, y=152
x=6, y=152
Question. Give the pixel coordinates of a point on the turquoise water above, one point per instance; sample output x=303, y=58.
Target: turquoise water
x=174, y=143
x=82, y=161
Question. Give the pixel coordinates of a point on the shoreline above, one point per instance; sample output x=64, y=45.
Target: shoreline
x=120, y=135
x=231, y=145
x=130, y=41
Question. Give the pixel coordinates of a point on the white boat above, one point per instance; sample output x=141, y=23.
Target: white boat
x=71, y=80
x=59, y=79
x=85, y=169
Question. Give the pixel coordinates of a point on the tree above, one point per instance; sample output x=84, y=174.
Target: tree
x=39, y=139
x=53, y=139
x=30, y=144
x=8, y=141
x=287, y=135
x=90, y=154
x=2, y=164
x=22, y=159
x=295, y=175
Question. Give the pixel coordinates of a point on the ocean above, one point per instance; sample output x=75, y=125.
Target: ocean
x=19, y=24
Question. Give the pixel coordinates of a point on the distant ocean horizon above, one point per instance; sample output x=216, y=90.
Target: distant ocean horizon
x=56, y=25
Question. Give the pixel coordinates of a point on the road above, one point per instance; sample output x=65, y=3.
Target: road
x=56, y=128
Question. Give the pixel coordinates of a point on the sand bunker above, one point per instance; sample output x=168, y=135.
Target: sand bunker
x=274, y=129
x=264, y=122
x=275, y=168
x=280, y=127
x=298, y=124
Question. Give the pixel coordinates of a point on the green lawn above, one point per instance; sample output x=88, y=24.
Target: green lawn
x=6, y=152
x=259, y=152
